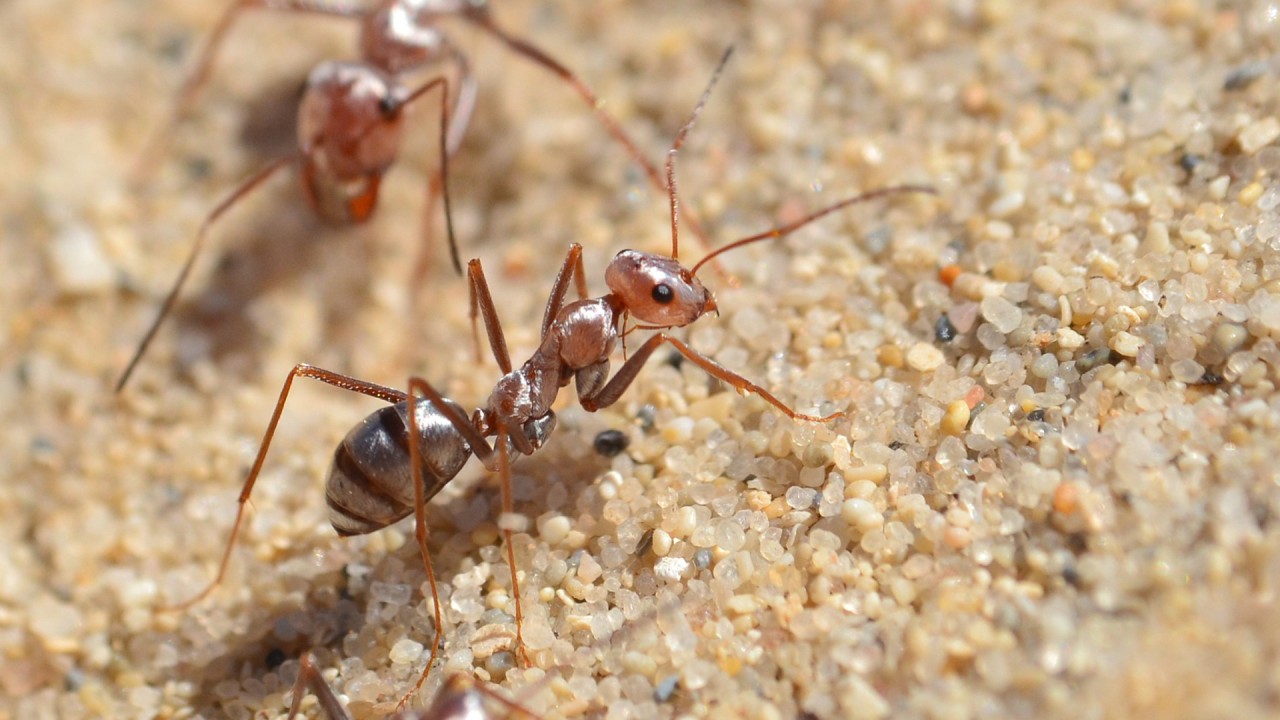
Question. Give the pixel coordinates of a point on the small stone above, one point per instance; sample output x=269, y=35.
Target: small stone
x=589, y=569
x=610, y=443
x=1229, y=337
x=1245, y=75
x=1069, y=339
x=405, y=651
x=730, y=536
x=1156, y=241
x=923, y=357
x=661, y=542
x=1007, y=204
x=1258, y=134
x=943, y=330
x=57, y=624
x=79, y=264
x=671, y=568
x=862, y=515
x=1047, y=279
x=963, y=316
x=1188, y=371
x=679, y=430
x=956, y=418
x=889, y=356
x=1004, y=315
x=1250, y=193
x=743, y=604
x=957, y=538
x=801, y=498
x=1126, y=343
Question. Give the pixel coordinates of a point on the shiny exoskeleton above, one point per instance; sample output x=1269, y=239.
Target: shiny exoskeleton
x=398, y=457
x=350, y=119
x=371, y=480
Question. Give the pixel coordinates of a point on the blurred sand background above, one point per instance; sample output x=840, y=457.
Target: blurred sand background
x=1060, y=502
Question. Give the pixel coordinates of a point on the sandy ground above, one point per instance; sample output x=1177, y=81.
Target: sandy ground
x=1053, y=494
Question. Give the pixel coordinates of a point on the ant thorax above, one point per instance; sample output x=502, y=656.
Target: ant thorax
x=401, y=36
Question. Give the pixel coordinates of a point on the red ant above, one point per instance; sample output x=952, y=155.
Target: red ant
x=350, y=119
x=395, y=460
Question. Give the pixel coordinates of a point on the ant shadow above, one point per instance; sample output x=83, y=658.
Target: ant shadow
x=334, y=607
x=292, y=252
x=272, y=240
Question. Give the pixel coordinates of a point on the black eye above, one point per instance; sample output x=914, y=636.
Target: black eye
x=388, y=105
x=662, y=294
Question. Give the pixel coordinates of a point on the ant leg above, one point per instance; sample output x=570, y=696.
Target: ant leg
x=570, y=268
x=505, y=522
x=482, y=303
x=338, y=380
x=236, y=195
x=451, y=139
x=617, y=385
x=443, y=175
x=199, y=75
x=309, y=678
x=611, y=125
x=420, y=531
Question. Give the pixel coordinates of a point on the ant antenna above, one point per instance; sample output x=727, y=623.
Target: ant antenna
x=675, y=147
x=784, y=230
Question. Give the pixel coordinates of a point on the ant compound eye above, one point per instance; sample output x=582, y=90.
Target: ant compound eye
x=388, y=105
x=663, y=294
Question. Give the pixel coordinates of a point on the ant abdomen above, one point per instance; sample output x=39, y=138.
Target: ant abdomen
x=370, y=483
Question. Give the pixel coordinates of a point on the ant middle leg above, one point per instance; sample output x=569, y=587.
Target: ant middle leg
x=420, y=389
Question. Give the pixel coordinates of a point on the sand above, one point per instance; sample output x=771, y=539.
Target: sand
x=1053, y=494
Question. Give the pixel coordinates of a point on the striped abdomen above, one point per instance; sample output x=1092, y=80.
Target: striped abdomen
x=370, y=483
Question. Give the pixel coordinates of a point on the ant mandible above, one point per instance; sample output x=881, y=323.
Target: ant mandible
x=395, y=460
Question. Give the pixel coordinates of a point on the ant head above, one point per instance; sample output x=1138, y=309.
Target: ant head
x=657, y=289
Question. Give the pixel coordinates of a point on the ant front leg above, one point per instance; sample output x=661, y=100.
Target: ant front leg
x=626, y=374
x=338, y=380
x=453, y=127
x=482, y=305
x=570, y=269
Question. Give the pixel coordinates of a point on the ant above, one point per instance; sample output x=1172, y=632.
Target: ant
x=350, y=117
x=395, y=460
x=461, y=698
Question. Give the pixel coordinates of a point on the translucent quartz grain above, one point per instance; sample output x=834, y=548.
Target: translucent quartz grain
x=405, y=651
x=801, y=498
x=729, y=535
x=1002, y=314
